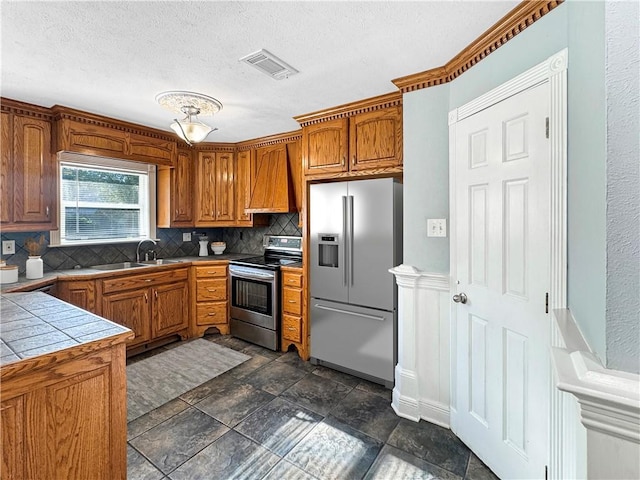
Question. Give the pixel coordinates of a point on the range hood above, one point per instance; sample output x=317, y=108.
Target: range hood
x=273, y=190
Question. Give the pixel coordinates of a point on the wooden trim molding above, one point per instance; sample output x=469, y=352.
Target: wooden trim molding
x=211, y=147
x=349, y=109
x=287, y=137
x=514, y=22
x=21, y=108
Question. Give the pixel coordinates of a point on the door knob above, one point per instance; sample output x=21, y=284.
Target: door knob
x=460, y=298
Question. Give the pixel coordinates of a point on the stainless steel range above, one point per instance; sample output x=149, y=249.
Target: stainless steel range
x=255, y=290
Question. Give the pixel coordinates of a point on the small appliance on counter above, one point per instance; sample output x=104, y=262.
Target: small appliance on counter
x=255, y=290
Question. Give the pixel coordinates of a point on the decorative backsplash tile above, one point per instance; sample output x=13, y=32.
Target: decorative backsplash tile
x=239, y=240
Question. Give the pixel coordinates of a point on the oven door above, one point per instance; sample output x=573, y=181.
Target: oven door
x=254, y=296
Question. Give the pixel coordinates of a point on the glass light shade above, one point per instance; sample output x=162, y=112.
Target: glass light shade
x=195, y=131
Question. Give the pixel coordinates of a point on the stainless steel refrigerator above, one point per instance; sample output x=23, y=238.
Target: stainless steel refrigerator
x=355, y=238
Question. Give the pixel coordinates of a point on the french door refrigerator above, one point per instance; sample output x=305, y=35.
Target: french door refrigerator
x=355, y=238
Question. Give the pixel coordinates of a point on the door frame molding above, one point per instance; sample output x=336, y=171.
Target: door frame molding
x=554, y=71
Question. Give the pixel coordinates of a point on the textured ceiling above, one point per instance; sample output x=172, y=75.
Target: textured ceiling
x=112, y=58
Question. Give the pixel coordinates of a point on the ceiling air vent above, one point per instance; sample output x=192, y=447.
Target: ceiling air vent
x=269, y=64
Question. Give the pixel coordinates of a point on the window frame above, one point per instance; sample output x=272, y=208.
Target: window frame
x=98, y=162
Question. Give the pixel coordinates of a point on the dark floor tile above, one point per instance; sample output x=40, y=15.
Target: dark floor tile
x=432, y=443
x=258, y=350
x=375, y=389
x=368, y=413
x=233, y=456
x=395, y=464
x=155, y=417
x=336, y=376
x=220, y=384
x=174, y=441
x=316, y=393
x=293, y=359
x=232, y=406
x=476, y=470
x=275, y=377
x=229, y=342
x=334, y=450
x=287, y=471
x=279, y=425
x=249, y=366
x=139, y=468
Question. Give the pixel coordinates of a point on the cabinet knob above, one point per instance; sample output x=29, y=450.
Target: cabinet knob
x=146, y=298
x=155, y=293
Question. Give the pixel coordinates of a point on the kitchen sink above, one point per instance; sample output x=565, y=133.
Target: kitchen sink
x=118, y=266
x=160, y=261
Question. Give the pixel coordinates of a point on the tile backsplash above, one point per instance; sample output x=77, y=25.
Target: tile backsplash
x=239, y=240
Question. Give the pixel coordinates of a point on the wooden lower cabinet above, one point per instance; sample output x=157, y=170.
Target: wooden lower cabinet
x=295, y=328
x=81, y=293
x=152, y=312
x=66, y=420
x=209, y=298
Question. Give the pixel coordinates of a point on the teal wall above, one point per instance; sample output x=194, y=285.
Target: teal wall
x=579, y=26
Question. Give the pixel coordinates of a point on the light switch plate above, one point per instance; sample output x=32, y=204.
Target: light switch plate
x=436, y=227
x=186, y=237
x=8, y=247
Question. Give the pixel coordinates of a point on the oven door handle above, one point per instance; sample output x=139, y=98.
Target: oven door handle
x=266, y=278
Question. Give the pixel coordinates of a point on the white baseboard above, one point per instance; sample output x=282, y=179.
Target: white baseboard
x=435, y=412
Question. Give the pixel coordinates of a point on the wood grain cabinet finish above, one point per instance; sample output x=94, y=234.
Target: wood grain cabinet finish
x=210, y=298
x=175, y=193
x=67, y=419
x=245, y=173
x=325, y=147
x=215, y=190
x=152, y=305
x=272, y=191
x=375, y=139
x=28, y=188
x=295, y=328
x=81, y=293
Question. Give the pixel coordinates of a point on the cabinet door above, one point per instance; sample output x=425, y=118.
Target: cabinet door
x=375, y=139
x=324, y=147
x=34, y=182
x=225, y=192
x=132, y=310
x=182, y=189
x=205, y=188
x=91, y=139
x=80, y=293
x=152, y=150
x=170, y=309
x=244, y=181
x=12, y=438
x=6, y=169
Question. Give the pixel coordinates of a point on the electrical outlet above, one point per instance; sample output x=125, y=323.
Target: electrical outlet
x=186, y=237
x=436, y=227
x=8, y=247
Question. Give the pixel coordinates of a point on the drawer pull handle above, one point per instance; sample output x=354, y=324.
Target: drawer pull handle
x=212, y=314
x=148, y=279
x=211, y=289
x=291, y=328
x=292, y=301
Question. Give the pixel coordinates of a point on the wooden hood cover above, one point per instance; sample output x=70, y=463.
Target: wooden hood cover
x=273, y=190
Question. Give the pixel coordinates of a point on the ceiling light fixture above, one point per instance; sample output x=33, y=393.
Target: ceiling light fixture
x=191, y=104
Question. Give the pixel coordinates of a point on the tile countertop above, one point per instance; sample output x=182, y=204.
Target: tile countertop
x=24, y=284
x=33, y=324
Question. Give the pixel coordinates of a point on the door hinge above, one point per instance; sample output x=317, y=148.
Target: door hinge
x=547, y=126
x=546, y=472
x=546, y=303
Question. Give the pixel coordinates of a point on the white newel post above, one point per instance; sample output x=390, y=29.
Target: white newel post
x=422, y=373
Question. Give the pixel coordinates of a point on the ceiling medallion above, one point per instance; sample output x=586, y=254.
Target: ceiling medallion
x=191, y=104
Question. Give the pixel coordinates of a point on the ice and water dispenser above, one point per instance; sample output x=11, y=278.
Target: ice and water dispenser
x=328, y=250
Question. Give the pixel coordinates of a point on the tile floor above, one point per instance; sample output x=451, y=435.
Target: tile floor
x=275, y=417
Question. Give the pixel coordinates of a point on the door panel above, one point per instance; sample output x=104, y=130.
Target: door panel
x=371, y=256
x=132, y=310
x=502, y=251
x=328, y=201
x=170, y=309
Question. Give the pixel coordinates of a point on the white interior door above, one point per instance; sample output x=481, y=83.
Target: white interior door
x=501, y=262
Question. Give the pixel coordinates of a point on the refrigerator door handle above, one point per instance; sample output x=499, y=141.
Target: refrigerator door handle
x=351, y=238
x=347, y=312
x=344, y=239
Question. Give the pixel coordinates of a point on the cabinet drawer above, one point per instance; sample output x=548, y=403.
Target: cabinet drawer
x=292, y=328
x=211, y=313
x=292, y=279
x=212, y=271
x=211, y=290
x=139, y=281
x=292, y=301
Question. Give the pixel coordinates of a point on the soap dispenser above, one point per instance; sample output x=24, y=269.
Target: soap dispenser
x=204, y=251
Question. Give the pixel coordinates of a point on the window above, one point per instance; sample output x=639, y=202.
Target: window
x=103, y=200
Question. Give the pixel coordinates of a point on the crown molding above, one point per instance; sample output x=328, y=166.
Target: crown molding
x=514, y=22
x=287, y=137
x=349, y=109
x=27, y=109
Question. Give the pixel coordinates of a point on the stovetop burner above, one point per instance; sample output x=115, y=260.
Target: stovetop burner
x=279, y=251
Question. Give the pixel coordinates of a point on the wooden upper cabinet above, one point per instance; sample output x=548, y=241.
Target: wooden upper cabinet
x=375, y=139
x=294, y=159
x=245, y=164
x=152, y=150
x=325, y=147
x=91, y=139
x=215, y=192
x=175, y=192
x=28, y=183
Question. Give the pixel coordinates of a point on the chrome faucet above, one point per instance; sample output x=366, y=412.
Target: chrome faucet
x=138, y=248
